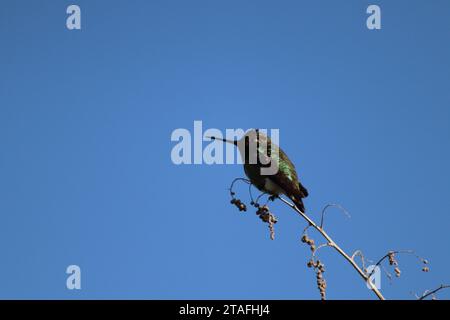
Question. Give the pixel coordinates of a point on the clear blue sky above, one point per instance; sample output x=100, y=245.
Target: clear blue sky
x=86, y=117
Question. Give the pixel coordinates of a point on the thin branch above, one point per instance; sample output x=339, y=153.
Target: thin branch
x=429, y=293
x=336, y=247
x=343, y=210
x=305, y=231
x=250, y=192
x=260, y=196
x=392, y=252
x=320, y=247
x=236, y=180
x=358, y=253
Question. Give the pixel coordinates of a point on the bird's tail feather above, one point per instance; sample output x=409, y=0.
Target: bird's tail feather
x=303, y=190
x=299, y=203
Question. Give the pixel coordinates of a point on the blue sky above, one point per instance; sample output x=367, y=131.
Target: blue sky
x=86, y=118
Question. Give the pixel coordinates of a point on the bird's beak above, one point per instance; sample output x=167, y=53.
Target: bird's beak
x=235, y=142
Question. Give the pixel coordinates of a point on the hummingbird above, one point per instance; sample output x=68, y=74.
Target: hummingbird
x=257, y=152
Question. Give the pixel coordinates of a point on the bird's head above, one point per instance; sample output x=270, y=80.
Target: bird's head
x=249, y=141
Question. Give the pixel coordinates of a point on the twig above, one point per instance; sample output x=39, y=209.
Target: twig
x=320, y=247
x=393, y=252
x=236, y=180
x=265, y=215
x=429, y=293
x=358, y=253
x=336, y=247
x=343, y=210
x=390, y=253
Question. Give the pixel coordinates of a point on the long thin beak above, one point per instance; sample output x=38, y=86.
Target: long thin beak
x=235, y=142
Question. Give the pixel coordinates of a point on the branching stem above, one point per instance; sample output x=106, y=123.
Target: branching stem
x=333, y=244
x=432, y=292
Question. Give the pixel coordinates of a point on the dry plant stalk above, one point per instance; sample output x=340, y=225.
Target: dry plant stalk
x=331, y=243
x=318, y=266
x=266, y=216
x=432, y=293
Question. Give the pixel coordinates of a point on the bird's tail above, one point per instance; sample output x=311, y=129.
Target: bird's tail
x=299, y=203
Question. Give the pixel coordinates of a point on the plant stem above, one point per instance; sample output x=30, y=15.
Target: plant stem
x=333, y=244
x=442, y=286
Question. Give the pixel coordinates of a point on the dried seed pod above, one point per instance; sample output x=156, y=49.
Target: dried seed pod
x=397, y=272
x=425, y=269
x=266, y=216
x=392, y=261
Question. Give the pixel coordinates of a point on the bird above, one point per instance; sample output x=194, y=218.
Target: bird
x=257, y=152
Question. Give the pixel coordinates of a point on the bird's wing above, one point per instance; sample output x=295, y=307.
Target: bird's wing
x=286, y=178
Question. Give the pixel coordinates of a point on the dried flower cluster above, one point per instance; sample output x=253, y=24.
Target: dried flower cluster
x=238, y=203
x=394, y=262
x=266, y=216
x=425, y=268
x=263, y=212
x=309, y=242
x=318, y=266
